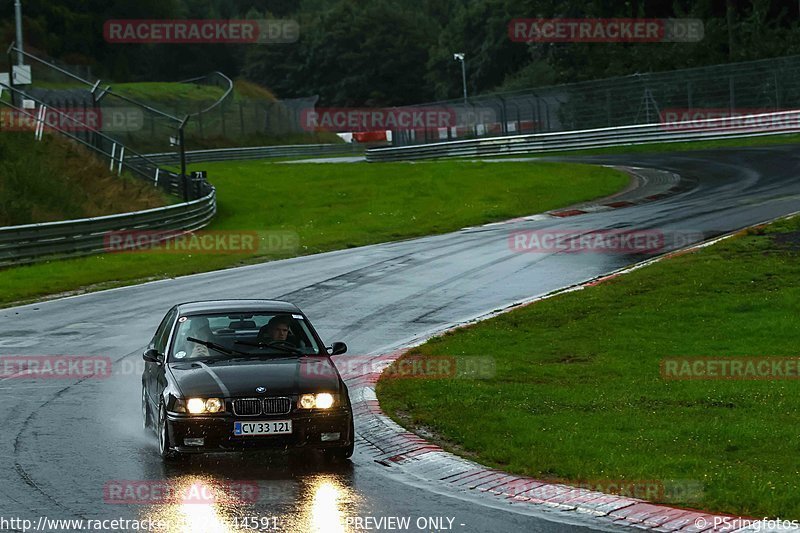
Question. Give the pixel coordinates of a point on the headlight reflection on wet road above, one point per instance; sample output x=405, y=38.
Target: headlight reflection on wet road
x=200, y=505
x=325, y=512
x=325, y=503
x=206, y=505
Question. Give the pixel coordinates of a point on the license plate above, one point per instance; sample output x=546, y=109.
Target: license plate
x=263, y=427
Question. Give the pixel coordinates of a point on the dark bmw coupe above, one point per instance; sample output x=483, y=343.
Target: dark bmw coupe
x=244, y=374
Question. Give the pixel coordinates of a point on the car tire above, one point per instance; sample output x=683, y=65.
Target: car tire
x=146, y=422
x=164, y=446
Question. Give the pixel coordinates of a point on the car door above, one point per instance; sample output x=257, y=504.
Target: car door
x=153, y=372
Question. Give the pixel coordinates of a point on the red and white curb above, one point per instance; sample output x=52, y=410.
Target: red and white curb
x=393, y=446
x=624, y=199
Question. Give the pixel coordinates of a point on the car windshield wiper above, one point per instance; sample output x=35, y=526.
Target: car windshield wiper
x=215, y=346
x=280, y=345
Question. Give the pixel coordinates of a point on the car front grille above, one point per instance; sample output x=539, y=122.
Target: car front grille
x=258, y=406
x=277, y=406
x=247, y=407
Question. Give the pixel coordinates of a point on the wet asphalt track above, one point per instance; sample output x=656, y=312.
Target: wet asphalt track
x=63, y=441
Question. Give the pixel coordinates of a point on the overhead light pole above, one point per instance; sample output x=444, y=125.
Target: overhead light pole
x=18, y=16
x=460, y=57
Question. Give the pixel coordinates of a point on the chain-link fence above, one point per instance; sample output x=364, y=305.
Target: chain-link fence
x=62, y=101
x=697, y=93
x=148, y=117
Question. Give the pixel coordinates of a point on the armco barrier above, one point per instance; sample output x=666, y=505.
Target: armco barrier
x=708, y=129
x=259, y=152
x=72, y=238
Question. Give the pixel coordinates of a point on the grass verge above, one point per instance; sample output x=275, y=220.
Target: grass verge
x=333, y=207
x=58, y=180
x=578, y=394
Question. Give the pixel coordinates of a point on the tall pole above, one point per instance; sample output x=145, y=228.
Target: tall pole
x=18, y=16
x=464, y=77
x=460, y=57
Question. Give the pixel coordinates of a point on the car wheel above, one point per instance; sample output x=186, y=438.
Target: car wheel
x=164, y=446
x=145, y=410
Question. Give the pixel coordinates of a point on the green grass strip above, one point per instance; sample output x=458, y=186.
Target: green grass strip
x=578, y=394
x=333, y=206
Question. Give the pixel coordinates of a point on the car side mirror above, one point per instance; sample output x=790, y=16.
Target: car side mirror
x=338, y=348
x=152, y=356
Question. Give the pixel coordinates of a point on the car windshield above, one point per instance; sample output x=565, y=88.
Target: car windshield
x=236, y=335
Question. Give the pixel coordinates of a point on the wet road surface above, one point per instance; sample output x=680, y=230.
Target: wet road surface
x=66, y=444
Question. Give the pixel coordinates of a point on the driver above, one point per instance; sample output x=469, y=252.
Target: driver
x=277, y=329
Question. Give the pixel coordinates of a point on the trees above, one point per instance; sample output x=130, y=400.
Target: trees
x=390, y=52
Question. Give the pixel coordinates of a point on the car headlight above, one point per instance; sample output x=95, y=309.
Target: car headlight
x=322, y=400
x=198, y=406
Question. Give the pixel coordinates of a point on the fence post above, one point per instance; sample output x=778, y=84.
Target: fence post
x=200, y=123
x=183, y=159
x=121, y=157
x=504, y=118
x=16, y=99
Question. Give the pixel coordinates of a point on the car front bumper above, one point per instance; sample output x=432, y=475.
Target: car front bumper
x=217, y=435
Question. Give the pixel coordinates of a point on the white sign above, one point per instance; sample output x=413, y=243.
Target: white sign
x=22, y=74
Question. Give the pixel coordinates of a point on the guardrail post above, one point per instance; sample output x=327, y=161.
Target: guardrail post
x=113, y=153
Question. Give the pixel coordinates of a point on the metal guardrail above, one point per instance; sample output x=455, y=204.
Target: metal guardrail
x=697, y=130
x=72, y=238
x=259, y=152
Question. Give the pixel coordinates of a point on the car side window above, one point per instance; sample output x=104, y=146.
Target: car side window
x=162, y=333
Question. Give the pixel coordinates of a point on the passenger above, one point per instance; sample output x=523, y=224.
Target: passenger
x=200, y=330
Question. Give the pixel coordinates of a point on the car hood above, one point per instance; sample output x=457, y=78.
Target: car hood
x=241, y=378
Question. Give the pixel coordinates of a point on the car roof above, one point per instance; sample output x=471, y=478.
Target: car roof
x=236, y=306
